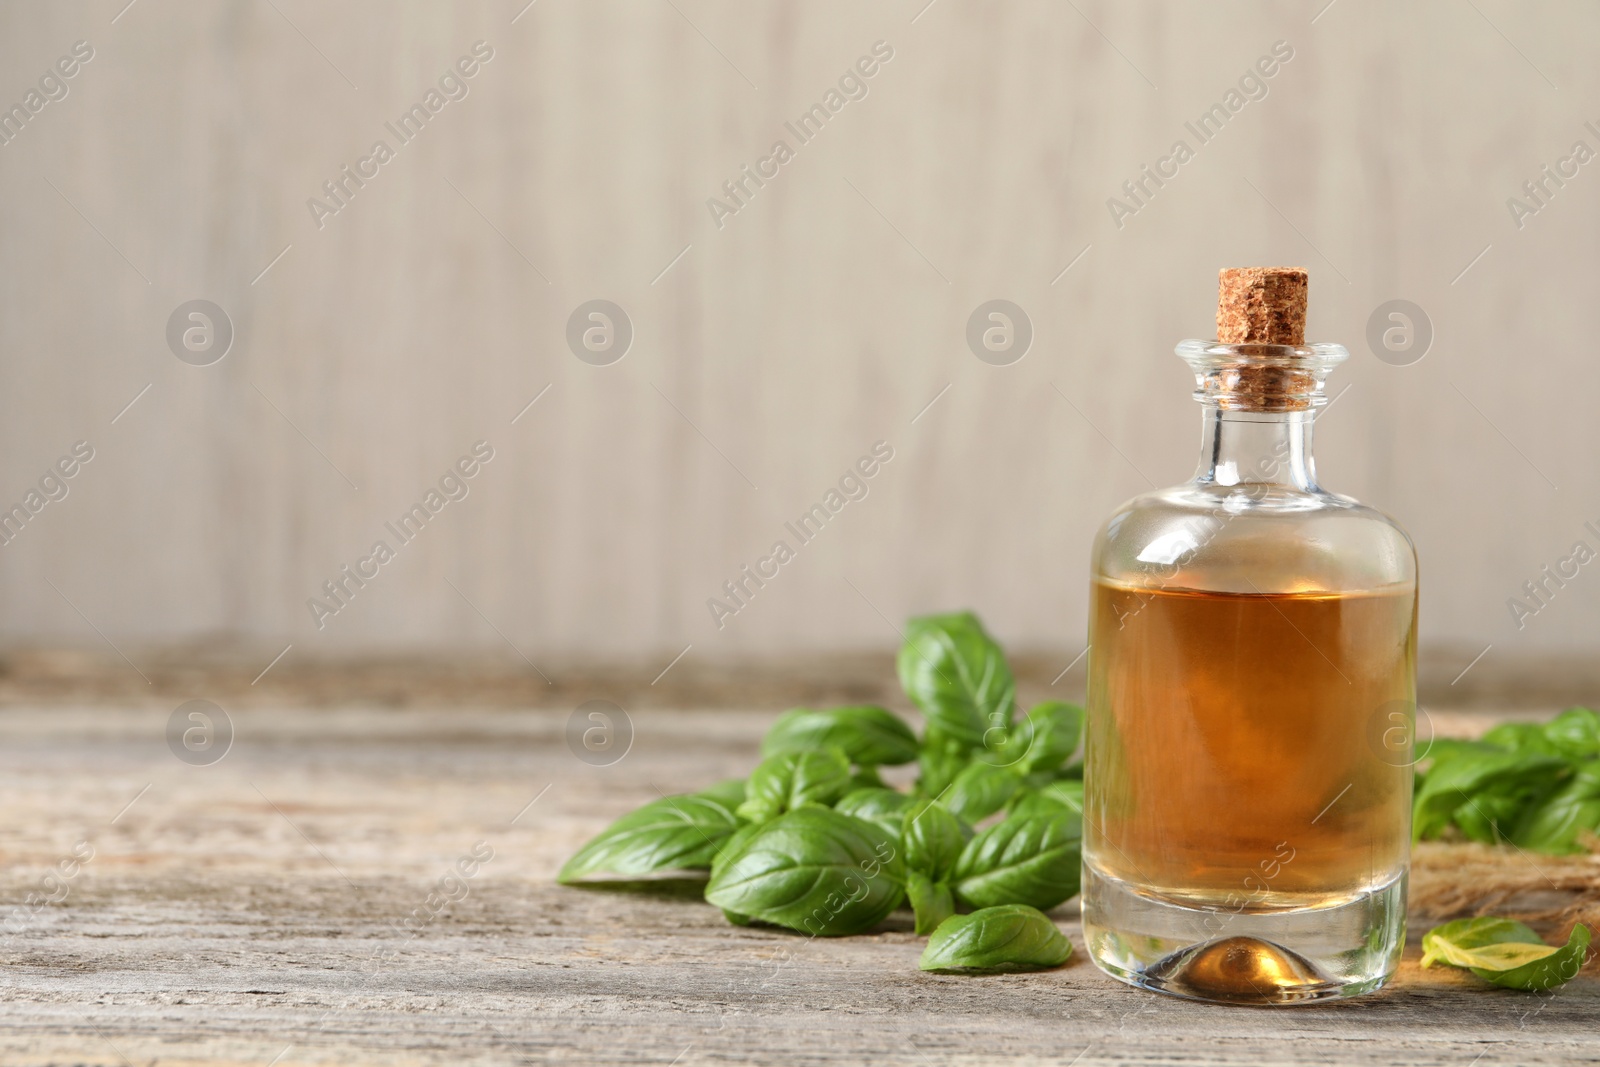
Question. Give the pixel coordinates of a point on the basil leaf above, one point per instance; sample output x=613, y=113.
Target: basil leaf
x=867, y=777
x=933, y=840
x=784, y=783
x=814, y=870
x=885, y=807
x=1575, y=733
x=941, y=760
x=931, y=902
x=1465, y=775
x=868, y=736
x=1520, y=737
x=957, y=675
x=1546, y=973
x=733, y=845
x=1553, y=824
x=1463, y=935
x=671, y=834
x=1505, y=953
x=1010, y=937
x=730, y=794
x=1062, y=794
x=981, y=789
x=1033, y=860
x=1057, y=730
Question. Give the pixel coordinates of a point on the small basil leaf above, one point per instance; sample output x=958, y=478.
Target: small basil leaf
x=1064, y=793
x=885, y=807
x=1042, y=740
x=1010, y=937
x=671, y=834
x=931, y=902
x=1033, y=860
x=1553, y=824
x=957, y=675
x=933, y=840
x=941, y=760
x=1464, y=935
x=784, y=783
x=736, y=919
x=1548, y=972
x=1505, y=953
x=868, y=736
x=1057, y=732
x=814, y=870
x=981, y=789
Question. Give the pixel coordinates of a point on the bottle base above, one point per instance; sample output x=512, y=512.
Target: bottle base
x=1281, y=957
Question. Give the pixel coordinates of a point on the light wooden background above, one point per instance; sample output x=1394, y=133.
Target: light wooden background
x=822, y=318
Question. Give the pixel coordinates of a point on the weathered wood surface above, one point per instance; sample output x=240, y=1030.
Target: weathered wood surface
x=251, y=912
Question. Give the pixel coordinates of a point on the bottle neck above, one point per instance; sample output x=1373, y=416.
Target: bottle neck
x=1269, y=449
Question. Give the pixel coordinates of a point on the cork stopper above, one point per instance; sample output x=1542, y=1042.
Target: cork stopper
x=1261, y=306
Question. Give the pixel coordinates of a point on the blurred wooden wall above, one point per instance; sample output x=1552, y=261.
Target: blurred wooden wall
x=772, y=352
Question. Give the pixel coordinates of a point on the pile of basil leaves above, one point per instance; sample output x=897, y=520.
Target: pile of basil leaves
x=815, y=841
x=1535, y=785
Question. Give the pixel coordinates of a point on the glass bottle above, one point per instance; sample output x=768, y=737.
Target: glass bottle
x=1252, y=693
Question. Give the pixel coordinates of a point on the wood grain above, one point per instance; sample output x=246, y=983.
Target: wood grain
x=264, y=910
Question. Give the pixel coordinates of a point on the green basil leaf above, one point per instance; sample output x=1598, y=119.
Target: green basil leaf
x=868, y=736
x=1042, y=740
x=933, y=840
x=733, y=844
x=885, y=807
x=1064, y=793
x=1520, y=737
x=1548, y=972
x=1505, y=952
x=795, y=779
x=1553, y=824
x=1575, y=734
x=1465, y=935
x=1057, y=733
x=957, y=675
x=867, y=777
x=814, y=870
x=671, y=834
x=931, y=902
x=730, y=793
x=941, y=760
x=1463, y=775
x=1033, y=860
x=1010, y=937
x=981, y=789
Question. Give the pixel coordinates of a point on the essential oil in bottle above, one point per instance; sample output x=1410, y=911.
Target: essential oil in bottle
x=1252, y=696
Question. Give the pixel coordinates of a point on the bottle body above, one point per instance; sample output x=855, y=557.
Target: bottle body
x=1250, y=714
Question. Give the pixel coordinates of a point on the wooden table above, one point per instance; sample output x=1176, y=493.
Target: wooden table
x=273, y=908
